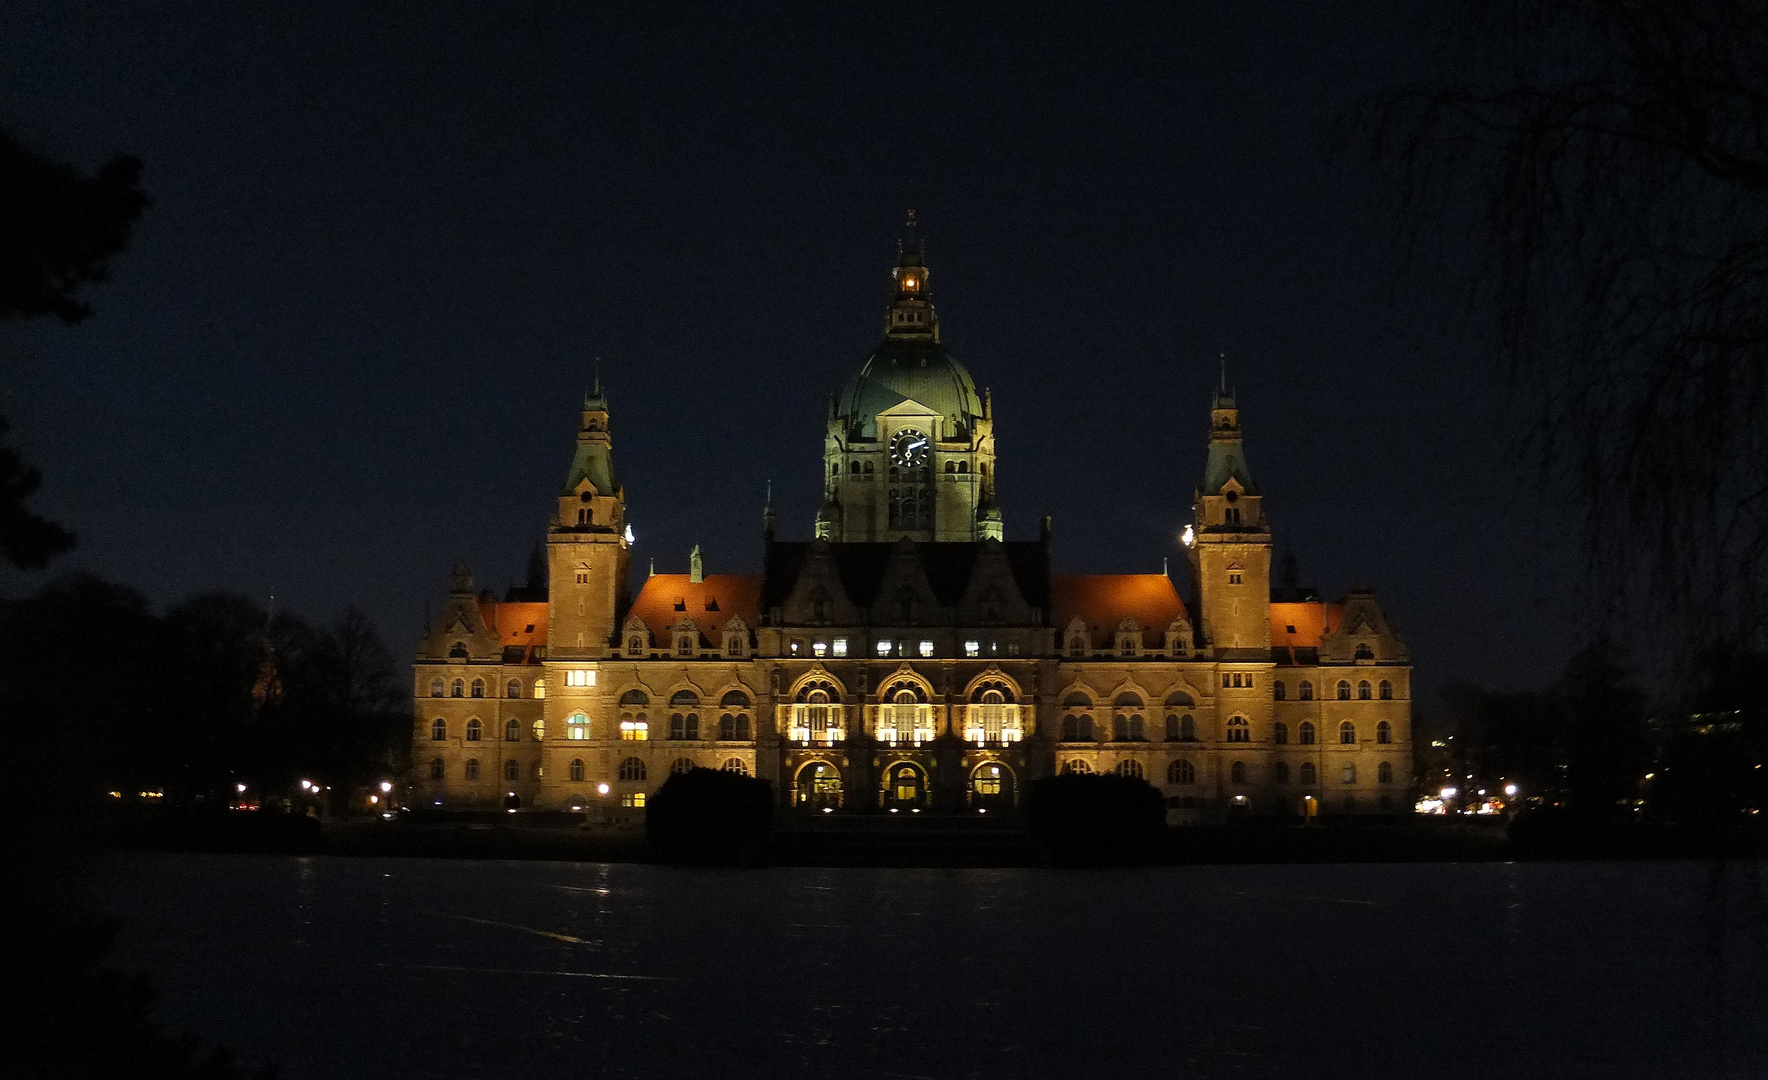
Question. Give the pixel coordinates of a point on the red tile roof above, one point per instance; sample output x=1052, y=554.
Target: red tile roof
x=665, y=598
x=1309, y=618
x=515, y=623
x=1104, y=600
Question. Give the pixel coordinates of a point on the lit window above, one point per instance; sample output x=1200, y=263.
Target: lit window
x=635, y=730
x=634, y=799
x=840, y=646
x=539, y=688
x=820, y=648
x=926, y=648
x=577, y=727
x=883, y=648
x=539, y=730
x=972, y=648
x=579, y=677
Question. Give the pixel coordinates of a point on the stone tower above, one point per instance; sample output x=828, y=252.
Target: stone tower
x=909, y=451
x=587, y=544
x=1231, y=545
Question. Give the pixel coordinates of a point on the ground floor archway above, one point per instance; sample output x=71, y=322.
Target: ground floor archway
x=905, y=787
x=818, y=786
x=992, y=787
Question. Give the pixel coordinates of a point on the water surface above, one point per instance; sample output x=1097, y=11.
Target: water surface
x=399, y=968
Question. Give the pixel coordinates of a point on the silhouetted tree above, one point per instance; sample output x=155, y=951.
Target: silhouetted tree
x=1608, y=748
x=1095, y=817
x=58, y=232
x=1610, y=160
x=709, y=814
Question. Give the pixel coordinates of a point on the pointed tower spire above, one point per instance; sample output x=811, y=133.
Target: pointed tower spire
x=767, y=514
x=696, y=568
x=911, y=303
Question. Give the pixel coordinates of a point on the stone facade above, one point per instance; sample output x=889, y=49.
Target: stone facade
x=908, y=658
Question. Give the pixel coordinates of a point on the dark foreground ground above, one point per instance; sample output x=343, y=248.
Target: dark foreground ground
x=928, y=842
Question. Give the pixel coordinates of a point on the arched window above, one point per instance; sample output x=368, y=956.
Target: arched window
x=736, y=765
x=512, y=731
x=681, y=765
x=1384, y=732
x=1385, y=691
x=1307, y=774
x=439, y=730
x=1305, y=733
x=963, y=466
x=1384, y=772
x=1237, y=773
x=1239, y=730
x=1280, y=772
x=1280, y=733
x=438, y=769
x=951, y=467
x=512, y=770
x=435, y=687
x=513, y=689
x=472, y=769
x=1344, y=690
x=1279, y=691
x=474, y=730
x=1128, y=728
x=1187, y=728
x=634, y=698
x=1347, y=733
x=1172, y=728
x=1130, y=768
x=478, y=687
x=1181, y=772
x=632, y=769
x=684, y=727
x=1348, y=775
x=635, y=645
x=577, y=770
x=1075, y=765
x=459, y=689
x=539, y=688
x=577, y=727
x=1306, y=691
x=540, y=731
x=1077, y=729
x=1363, y=691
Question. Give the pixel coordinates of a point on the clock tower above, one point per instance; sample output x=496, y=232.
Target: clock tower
x=909, y=451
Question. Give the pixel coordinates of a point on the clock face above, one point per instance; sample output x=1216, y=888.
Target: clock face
x=908, y=448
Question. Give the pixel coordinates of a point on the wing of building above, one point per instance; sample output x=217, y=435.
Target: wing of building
x=907, y=656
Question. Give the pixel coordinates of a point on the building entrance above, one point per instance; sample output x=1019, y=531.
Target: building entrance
x=905, y=787
x=991, y=787
x=819, y=786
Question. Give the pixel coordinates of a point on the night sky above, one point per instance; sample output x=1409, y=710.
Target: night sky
x=388, y=241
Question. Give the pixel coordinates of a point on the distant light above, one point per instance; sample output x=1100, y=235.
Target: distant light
x=374, y=798
x=1189, y=536
x=828, y=809
x=241, y=788
x=1449, y=793
x=601, y=789
x=908, y=282
x=628, y=534
x=386, y=786
x=1649, y=775
x=1510, y=789
x=983, y=810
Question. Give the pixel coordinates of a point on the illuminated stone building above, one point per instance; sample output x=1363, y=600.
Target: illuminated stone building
x=908, y=657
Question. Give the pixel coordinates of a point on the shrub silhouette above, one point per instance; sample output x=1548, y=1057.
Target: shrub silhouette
x=1095, y=817
x=708, y=814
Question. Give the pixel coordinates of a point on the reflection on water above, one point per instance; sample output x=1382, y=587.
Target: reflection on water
x=343, y=968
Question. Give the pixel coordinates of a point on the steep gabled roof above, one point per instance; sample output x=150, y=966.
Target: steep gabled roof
x=665, y=598
x=948, y=567
x=1102, y=601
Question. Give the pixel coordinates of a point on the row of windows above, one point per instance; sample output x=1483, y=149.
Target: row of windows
x=1183, y=728
x=732, y=727
x=1184, y=772
x=857, y=468
x=631, y=769
x=1305, y=692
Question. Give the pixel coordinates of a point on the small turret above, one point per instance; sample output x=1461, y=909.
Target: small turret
x=696, y=573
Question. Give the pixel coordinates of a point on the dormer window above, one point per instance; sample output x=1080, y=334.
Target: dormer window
x=635, y=645
x=684, y=645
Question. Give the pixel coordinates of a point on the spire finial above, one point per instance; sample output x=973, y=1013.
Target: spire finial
x=1224, y=371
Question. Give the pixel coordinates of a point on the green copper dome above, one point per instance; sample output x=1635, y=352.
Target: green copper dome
x=908, y=369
